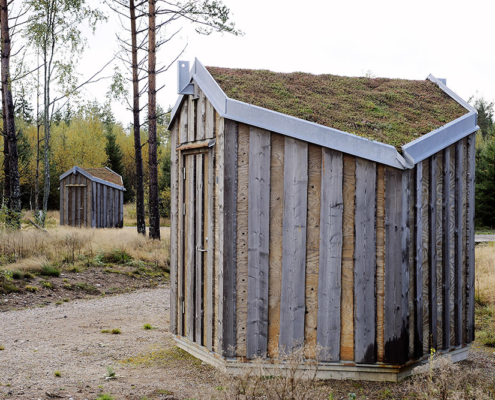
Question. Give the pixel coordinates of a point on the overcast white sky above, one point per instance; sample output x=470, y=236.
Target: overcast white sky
x=396, y=39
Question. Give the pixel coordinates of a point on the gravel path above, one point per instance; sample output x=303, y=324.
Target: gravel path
x=68, y=338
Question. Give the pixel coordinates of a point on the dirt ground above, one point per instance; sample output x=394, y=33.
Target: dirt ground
x=67, y=338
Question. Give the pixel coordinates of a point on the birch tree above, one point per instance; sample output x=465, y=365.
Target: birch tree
x=54, y=30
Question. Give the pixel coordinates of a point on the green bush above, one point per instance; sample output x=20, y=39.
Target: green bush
x=165, y=197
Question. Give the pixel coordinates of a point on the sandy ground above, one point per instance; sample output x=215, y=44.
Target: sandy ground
x=67, y=338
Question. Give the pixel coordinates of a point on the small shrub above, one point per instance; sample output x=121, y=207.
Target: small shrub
x=28, y=275
x=105, y=396
x=58, y=303
x=58, y=374
x=46, y=284
x=65, y=300
x=105, y=331
x=48, y=270
x=147, y=326
x=17, y=275
x=117, y=256
x=116, y=331
x=68, y=286
x=2, y=347
x=86, y=287
x=8, y=288
x=32, y=289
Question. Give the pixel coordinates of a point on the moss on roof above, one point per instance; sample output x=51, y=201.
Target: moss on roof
x=392, y=111
x=106, y=175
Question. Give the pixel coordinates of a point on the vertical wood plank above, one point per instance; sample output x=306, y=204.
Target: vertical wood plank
x=330, y=262
x=315, y=159
x=230, y=235
x=206, y=242
x=418, y=261
x=446, y=249
x=191, y=117
x=62, y=190
x=464, y=240
x=242, y=237
x=452, y=233
x=294, y=244
x=190, y=246
x=219, y=232
x=66, y=200
x=396, y=264
x=174, y=226
x=210, y=254
x=347, y=305
x=77, y=192
x=412, y=263
x=364, y=263
x=183, y=123
x=426, y=255
x=258, y=242
x=433, y=259
x=209, y=120
x=105, y=206
x=470, y=279
x=183, y=246
x=88, y=202
x=276, y=242
x=198, y=309
x=121, y=209
x=73, y=196
x=380, y=261
x=405, y=243
x=439, y=226
x=200, y=116
x=93, y=205
x=459, y=200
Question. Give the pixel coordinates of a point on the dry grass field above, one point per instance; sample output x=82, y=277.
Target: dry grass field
x=51, y=268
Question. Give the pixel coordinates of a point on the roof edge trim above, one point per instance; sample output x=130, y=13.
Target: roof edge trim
x=92, y=178
x=451, y=93
x=440, y=138
x=314, y=133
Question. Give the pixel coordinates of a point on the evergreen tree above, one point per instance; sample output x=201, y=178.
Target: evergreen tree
x=485, y=185
x=485, y=115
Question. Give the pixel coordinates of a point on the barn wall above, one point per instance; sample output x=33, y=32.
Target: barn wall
x=362, y=262
x=373, y=277
x=84, y=203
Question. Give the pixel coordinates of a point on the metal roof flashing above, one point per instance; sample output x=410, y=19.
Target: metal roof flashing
x=412, y=153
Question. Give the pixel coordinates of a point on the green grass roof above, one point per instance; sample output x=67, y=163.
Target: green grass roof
x=392, y=111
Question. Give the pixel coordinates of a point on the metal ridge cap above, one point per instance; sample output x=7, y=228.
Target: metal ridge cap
x=440, y=138
x=451, y=93
x=314, y=133
x=210, y=87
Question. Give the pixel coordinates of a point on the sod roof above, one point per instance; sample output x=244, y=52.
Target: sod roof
x=105, y=174
x=391, y=111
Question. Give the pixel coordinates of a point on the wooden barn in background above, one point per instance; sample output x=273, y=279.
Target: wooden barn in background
x=91, y=197
x=335, y=212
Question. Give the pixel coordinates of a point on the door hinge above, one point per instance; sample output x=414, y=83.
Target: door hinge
x=183, y=208
x=183, y=307
x=184, y=174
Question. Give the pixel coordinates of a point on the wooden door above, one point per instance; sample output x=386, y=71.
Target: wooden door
x=194, y=273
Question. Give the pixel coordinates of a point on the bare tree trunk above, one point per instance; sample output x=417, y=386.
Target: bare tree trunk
x=38, y=126
x=141, y=224
x=6, y=165
x=9, y=125
x=152, y=142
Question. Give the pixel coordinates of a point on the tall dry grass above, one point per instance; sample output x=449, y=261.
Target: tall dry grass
x=485, y=272
x=29, y=249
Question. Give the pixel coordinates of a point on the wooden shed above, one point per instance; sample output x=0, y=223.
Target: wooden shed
x=322, y=210
x=91, y=197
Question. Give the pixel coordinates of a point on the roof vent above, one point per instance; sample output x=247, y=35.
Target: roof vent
x=443, y=80
x=183, y=78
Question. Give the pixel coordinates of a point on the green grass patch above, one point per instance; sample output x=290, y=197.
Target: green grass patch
x=162, y=357
x=86, y=287
x=116, y=256
x=32, y=289
x=49, y=270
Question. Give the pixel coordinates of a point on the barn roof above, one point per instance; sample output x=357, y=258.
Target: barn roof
x=391, y=111
x=104, y=176
x=391, y=121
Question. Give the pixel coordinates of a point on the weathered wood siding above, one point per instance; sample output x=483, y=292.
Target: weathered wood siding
x=362, y=261
x=83, y=204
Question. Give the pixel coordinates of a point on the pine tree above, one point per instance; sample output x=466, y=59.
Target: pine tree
x=114, y=153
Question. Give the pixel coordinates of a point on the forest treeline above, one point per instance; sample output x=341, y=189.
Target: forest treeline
x=42, y=44
x=90, y=137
